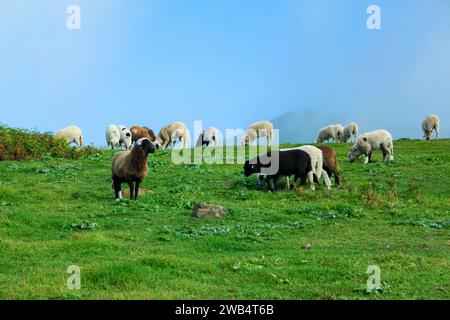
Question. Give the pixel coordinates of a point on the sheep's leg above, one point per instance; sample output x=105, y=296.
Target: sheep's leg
x=326, y=179
x=130, y=184
x=275, y=182
x=336, y=178
x=302, y=179
x=117, y=189
x=136, y=190
x=270, y=185
x=367, y=158
x=288, y=187
x=310, y=176
x=437, y=132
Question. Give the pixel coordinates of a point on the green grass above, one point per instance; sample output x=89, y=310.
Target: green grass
x=55, y=213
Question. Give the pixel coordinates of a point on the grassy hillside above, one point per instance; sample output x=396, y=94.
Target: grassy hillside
x=55, y=213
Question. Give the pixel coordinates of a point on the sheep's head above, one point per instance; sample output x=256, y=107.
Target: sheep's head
x=245, y=140
x=428, y=134
x=146, y=145
x=158, y=143
x=250, y=168
x=360, y=147
x=249, y=136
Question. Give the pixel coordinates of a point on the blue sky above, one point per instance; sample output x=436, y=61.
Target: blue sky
x=225, y=62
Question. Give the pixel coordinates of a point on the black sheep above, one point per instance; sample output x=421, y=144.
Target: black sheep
x=290, y=162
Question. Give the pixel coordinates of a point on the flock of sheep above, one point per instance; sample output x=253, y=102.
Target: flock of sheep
x=307, y=163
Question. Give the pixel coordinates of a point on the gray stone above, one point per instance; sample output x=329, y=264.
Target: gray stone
x=208, y=210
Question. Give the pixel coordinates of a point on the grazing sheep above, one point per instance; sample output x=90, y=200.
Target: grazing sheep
x=330, y=163
x=112, y=136
x=207, y=137
x=131, y=167
x=430, y=123
x=138, y=132
x=258, y=130
x=339, y=130
x=72, y=134
x=371, y=141
x=350, y=131
x=291, y=162
x=330, y=132
x=170, y=133
x=125, y=137
x=317, y=164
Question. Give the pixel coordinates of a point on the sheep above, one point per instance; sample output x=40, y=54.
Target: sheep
x=125, y=137
x=291, y=162
x=430, y=123
x=317, y=162
x=112, y=136
x=339, y=130
x=350, y=131
x=207, y=137
x=258, y=130
x=72, y=134
x=334, y=132
x=170, y=133
x=131, y=167
x=371, y=141
x=138, y=132
x=330, y=163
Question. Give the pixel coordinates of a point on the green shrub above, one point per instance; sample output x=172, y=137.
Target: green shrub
x=19, y=144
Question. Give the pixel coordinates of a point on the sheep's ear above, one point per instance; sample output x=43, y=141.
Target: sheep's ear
x=365, y=138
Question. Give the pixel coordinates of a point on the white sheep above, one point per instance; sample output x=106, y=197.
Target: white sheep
x=350, y=131
x=208, y=137
x=339, y=130
x=330, y=132
x=112, y=136
x=430, y=123
x=171, y=133
x=72, y=134
x=125, y=137
x=371, y=141
x=258, y=130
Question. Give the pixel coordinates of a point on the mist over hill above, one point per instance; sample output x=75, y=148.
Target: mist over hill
x=301, y=126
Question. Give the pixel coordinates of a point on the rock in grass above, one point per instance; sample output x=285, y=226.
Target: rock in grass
x=208, y=210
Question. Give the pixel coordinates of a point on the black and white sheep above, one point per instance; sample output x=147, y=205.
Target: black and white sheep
x=317, y=163
x=131, y=167
x=371, y=141
x=125, y=137
x=209, y=136
x=291, y=162
x=430, y=123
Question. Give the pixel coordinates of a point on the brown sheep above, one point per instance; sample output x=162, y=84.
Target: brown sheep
x=131, y=167
x=138, y=132
x=330, y=163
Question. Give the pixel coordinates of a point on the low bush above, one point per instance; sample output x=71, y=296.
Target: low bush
x=19, y=144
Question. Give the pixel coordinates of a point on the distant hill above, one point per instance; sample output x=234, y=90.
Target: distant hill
x=303, y=125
